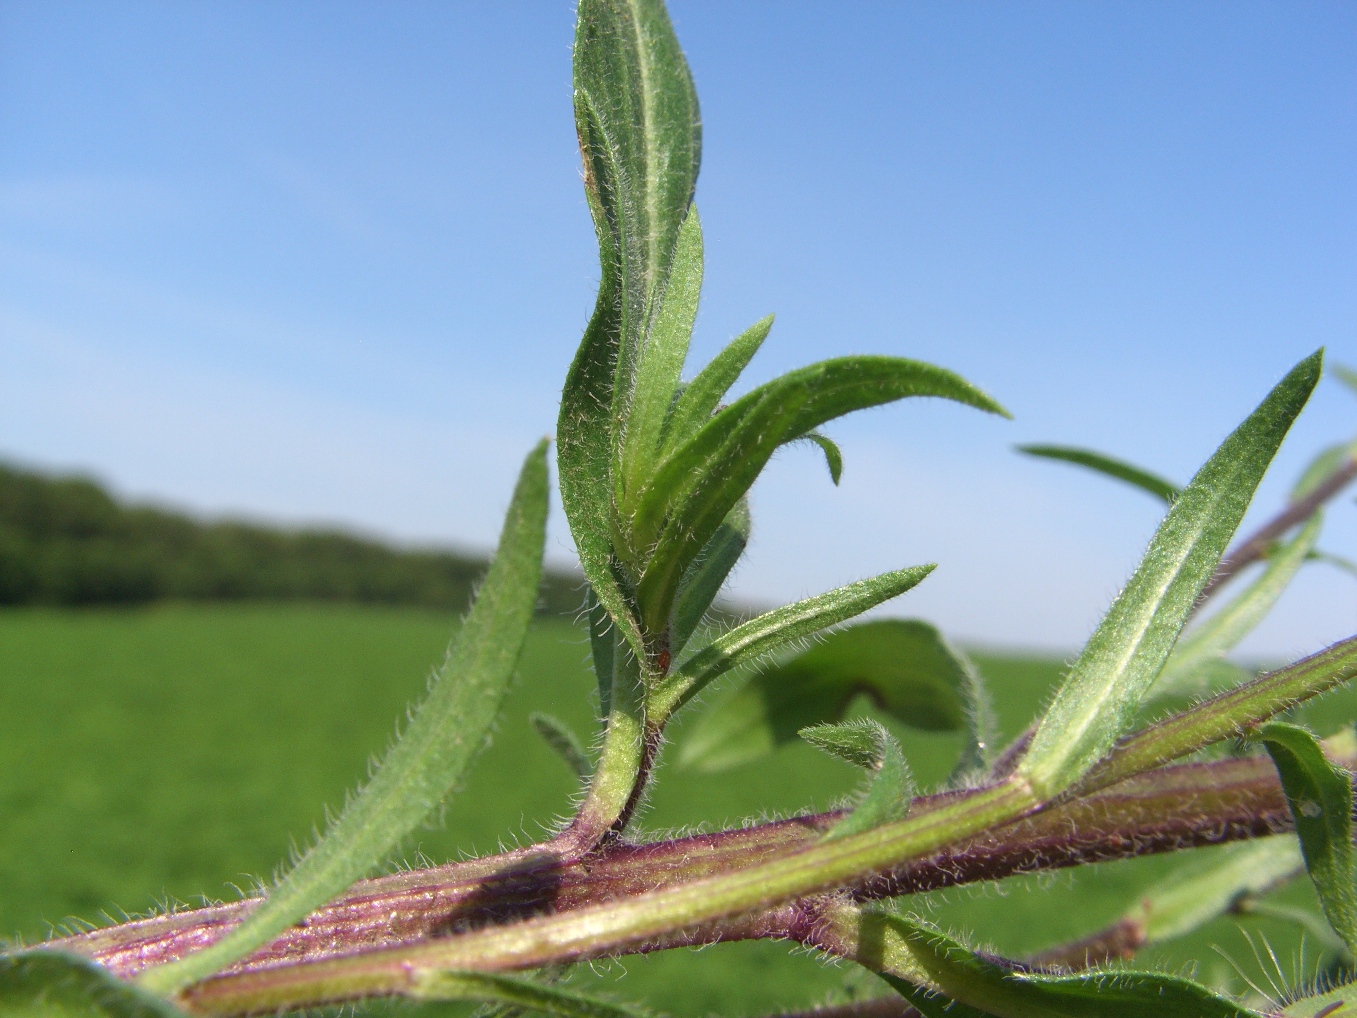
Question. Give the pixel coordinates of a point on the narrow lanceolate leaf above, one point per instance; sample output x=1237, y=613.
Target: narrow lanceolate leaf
x=640, y=139
x=517, y=992
x=1320, y=796
x=702, y=582
x=446, y=733
x=905, y=666
x=1345, y=375
x=563, y=742
x=774, y=630
x=662, y=357
x=1112, y=467
x=603, y=648
x=1228, y=715
x=701, y=481
x=982, y=984
x=53, y=984
x=1099, y=698
x=868, y=745
x=703, y=394
x=1222, y=631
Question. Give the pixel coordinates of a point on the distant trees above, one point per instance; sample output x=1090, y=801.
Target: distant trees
x=67, y=541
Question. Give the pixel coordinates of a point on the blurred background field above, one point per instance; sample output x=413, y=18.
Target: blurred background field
x=174, y=750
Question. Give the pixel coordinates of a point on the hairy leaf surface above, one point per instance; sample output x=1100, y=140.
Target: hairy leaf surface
x=563, y=742
x=1099, y=698
x=702, y=582
x=449, y=729
x=1320, y=797
x=774, y=630
x=985, y=985
x=867, y=744
x=904, y=666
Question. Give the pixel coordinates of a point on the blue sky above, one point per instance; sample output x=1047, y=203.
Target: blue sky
x=329, y=262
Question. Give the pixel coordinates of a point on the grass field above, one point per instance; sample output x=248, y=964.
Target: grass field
x=171, y=752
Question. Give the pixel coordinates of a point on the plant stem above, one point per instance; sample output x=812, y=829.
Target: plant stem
x=1256, y=545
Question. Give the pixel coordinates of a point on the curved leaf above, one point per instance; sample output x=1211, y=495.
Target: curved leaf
x=833, y=457
x=1098, y=700
x=640, y=140
x=1112, y=467
x=905, y=666
x=774, y=630
x=703, y=394
x=661, y=366
x=704, y=578
x=867, y=744
x=54, y=984
x=986, y=985
x=699, y=483
x=449, y=729
x=1319, y=794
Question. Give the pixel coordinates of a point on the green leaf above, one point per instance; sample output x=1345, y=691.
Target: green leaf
x=662, y=359
x=1337, y=561
x=704, y=578
x=703, y=394
x=563, y=741
x=905, y=666
x=640, y=139
x=1099, y=698
x=1321, y=468
x=699, y=483
x=489, y=988
x=450, y=728
x=1120, y=469
x=985, y=985
x=1211, y=885
x=54, y=984
x=1340, y=1002
x=1320, y=797
x=833, y=458
x=774, y=630
x=867, y=744
x=1222, y=631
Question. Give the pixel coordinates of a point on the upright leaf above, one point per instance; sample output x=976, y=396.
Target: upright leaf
x=704, y=578
x=443, y=737
x=904, y=666
x=868, y=745
x=985, y=985
x=1099, y=698
x=54, y=984
x=662, y=358
x=640, y=139
x=772, y=631
x=1219, y=634
x=1112, y=467
x=703, y=394
x=1320, y=797
x=693, y=490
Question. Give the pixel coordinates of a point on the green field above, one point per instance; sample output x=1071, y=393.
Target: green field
x=177, y=751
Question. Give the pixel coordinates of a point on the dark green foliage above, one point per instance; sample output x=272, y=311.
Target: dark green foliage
x=67, y=541
x=1320, y=797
